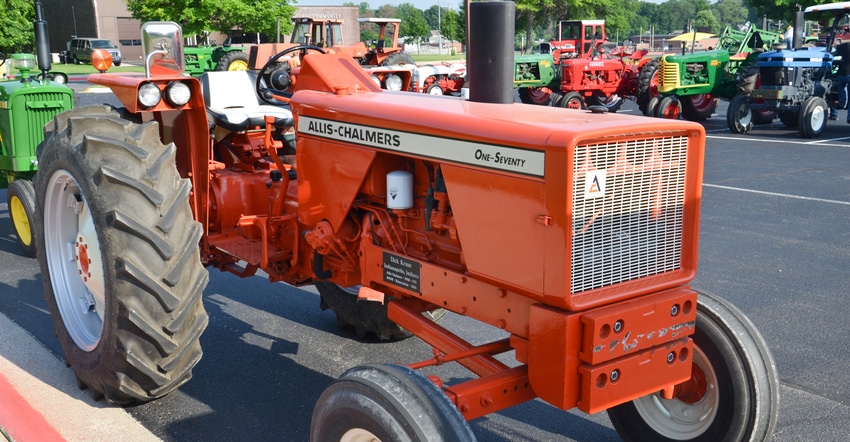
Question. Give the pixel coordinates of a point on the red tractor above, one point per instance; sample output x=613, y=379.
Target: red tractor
x=583, y=68
x=575, y=233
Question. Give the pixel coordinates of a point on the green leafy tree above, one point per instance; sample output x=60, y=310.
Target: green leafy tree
x=705, y=20
x=197, y=16
x=16, y=26
x=451, y=26
x=413, y=24
x=730, y=12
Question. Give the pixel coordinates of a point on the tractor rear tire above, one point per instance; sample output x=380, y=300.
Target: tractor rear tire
x=813, y=116
x=698, y=107
x=365, y=317
x=572, y=100
x=611, y=102
x=739, y=116
x=119, y=257
x=647, y=85
x=669, y=108
x=233, y=61
x=788, y=118
x=21, y=204
x=389, y=403
x=398, y=59
x=541, y=96
x=739, y=399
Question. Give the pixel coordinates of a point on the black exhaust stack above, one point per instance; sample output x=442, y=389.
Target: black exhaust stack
x=799, y=25
x=490, y=51
x=42, y=42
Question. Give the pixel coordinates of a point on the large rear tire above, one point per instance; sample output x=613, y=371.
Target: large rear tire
x=388, y=403
x=698, y=107
x=733, y=394
x=365, y=317
x=233, y=61
x=119, y=256
x=20, y=197
x=398, y=59
x=647, y=85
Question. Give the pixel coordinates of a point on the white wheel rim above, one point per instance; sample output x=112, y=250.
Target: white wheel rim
x=435, y=91
x=679, y=420
x=744, y=115
x=74, y=260
x=359, y=435
x=818, y=117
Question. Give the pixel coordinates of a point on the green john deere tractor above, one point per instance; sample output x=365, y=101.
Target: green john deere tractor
x=690, y=84
x=28, y=101
x=206, y=58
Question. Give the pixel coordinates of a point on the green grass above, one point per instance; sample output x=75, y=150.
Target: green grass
x=437, y=57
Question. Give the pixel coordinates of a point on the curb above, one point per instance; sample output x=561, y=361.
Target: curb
x=40, y=399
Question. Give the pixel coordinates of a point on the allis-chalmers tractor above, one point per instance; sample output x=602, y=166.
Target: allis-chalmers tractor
x=574, y=232
x=581, y=68
x=27, y=103
x=690, y=84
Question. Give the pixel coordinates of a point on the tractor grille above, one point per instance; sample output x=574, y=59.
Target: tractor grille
x=35, y=109
x=668, y=76
x=628, y=209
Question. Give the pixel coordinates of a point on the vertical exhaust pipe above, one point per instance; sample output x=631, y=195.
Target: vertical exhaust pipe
x=490, y=57
x=799, y=28
x=42, y=42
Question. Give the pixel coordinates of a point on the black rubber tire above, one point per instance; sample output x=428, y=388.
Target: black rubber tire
x=746, y=403
x=611, y=102
x=398, y=59
x=557, y=97
x=144, y=339
x=367, y=318
x=434, y=89
x=117, y=63
x=536, y=95
x=572, y=100
x=789, y=118
x=670, y=107
x=226, y=62
x=652, y=106
x=698, y=107
x=748, y=78
x=813, y=117
x=739, y=116
x=20, y=199
x=648, y=72
x=389, y=403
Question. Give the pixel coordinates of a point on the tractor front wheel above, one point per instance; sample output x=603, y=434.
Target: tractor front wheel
x=739, y=116
x=669, y=108
x=611, y=102
x=389, y=403
x=733, y=393
x=813, y=115
x=21, y=203
x=572, y=100
x=119, y=257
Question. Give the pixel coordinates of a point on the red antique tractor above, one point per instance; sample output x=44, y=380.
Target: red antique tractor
x=574, y=232
x=585, y=69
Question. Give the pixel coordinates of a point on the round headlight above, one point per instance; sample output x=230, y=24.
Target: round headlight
x=392, y=82
x=149, y=95
x=177, y=93
x=376, y=80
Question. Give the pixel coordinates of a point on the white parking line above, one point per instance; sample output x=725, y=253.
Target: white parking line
x=824, y=142
x=784, y=195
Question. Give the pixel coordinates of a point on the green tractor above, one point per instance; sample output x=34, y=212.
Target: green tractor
x=28, y=101
x=206, y=58
x=690, y=84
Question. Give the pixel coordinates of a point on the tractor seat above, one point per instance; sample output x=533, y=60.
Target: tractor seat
x=232, y=102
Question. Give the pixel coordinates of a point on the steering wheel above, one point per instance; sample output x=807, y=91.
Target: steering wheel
x=275, y=93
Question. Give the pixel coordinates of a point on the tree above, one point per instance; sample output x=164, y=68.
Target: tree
x=16, y=25
x=730, y=12
x=705, y=19
x=197, y=16
x=413, y=23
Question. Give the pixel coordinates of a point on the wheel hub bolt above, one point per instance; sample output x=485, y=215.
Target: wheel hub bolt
x=618, y=326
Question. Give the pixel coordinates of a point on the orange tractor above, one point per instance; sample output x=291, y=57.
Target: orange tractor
x=573, y=232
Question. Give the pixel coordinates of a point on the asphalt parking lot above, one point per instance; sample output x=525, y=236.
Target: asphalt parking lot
x=774, y=240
